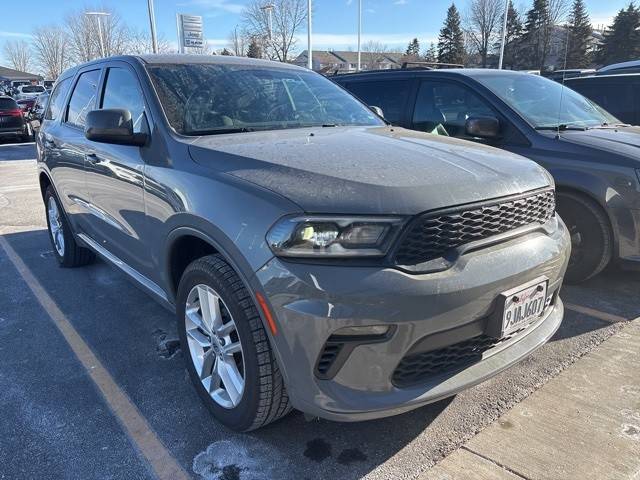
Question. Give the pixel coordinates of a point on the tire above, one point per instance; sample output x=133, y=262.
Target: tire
x=68, y=253
x=591, y=237
x=263, y=397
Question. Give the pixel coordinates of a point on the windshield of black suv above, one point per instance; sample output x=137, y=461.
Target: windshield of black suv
x=544, y=104
x=213, y=98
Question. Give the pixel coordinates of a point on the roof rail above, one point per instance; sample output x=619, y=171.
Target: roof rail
x=431, y=65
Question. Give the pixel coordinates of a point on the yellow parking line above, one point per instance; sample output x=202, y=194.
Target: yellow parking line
x=140, y=432
x=607, y=317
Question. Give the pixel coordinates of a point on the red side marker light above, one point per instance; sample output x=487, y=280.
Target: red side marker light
x=267, y=313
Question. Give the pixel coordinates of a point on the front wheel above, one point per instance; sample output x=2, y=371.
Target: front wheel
x=226, y=348
x=591, y=237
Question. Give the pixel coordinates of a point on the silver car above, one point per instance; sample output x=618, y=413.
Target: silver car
x=316, y=257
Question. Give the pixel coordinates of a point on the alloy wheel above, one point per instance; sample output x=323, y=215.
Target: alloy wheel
x=55, y=226
x=214, y=346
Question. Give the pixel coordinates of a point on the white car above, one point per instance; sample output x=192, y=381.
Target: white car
x=29, y=91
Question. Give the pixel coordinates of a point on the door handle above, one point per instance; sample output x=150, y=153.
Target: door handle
x=92, y=158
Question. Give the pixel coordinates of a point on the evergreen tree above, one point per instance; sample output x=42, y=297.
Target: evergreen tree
x=432, y=54
x=413, y=50
x=451, y=38
x=537, y=34
x=580, y=32
x=254, y=50
x=622, y=39
x=225, y=52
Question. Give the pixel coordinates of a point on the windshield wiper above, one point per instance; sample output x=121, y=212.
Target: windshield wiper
x=562, y=127
x=220, y=131
x=611, y=125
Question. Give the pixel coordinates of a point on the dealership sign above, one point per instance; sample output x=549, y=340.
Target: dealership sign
x=190, y=27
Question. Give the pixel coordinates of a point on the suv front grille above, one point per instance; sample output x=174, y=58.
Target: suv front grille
x=433, y=234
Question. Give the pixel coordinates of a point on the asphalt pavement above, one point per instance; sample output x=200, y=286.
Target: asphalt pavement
x=57, y=423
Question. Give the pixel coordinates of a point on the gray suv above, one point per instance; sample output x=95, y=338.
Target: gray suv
x=316, y=257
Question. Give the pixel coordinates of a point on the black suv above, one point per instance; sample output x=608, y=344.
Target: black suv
x=593, y=157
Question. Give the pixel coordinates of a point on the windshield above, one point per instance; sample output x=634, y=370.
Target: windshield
x=212, y=98
x=543, y=103
x=33, y=89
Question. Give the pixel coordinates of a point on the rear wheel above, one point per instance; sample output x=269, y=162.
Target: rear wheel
x=226, y=348
x=591, y=237
x=66, y=250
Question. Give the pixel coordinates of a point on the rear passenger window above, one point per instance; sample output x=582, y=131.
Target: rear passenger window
x=56, y=102
x=121, y=90
x=390, y=96
x=83, y=98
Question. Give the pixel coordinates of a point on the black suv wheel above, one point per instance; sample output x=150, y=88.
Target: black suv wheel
x=591, y=238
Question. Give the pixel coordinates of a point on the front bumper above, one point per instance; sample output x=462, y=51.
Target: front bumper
x=311, y=302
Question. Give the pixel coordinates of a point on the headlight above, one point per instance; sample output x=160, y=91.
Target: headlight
x=324, y=236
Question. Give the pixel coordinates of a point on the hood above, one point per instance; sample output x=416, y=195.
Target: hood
x=369, y=170
x=617, y=140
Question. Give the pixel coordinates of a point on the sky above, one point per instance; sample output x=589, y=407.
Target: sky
x=391, y=22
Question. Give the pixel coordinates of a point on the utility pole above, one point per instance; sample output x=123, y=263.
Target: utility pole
x=98, y=15
x=152, y=23
x=359, y=33
x=504, y=33
x=309, y=46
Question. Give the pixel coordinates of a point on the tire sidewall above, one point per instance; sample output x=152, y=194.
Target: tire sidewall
x=579, y=212
x=240, y=417
x=63, y=221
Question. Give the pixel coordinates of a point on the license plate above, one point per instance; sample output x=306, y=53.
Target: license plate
x=523, y=306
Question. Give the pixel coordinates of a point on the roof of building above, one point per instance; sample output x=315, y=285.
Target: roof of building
x=9, y=74
x=347, y=56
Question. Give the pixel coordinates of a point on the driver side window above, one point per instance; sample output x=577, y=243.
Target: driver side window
x=121, y=90
x=448, y=105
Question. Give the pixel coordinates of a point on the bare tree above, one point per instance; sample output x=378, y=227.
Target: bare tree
x=238, y=43
x=85, y=35
x=50, y=44
x=483, y=25
x=373, y=54
x=287, y=18
x=139, y=42
x=18, y=52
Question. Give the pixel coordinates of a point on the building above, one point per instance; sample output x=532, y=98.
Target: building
x=8, y=76
x=342, y=61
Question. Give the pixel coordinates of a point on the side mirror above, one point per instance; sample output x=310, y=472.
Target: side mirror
x=482, y=127
x=112, y=126
x=377, y=110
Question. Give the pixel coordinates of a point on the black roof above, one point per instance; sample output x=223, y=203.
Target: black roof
x=11, y=74
x=417, y=71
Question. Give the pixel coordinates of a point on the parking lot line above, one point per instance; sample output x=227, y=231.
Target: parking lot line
x=607, y=317
x=163, y=464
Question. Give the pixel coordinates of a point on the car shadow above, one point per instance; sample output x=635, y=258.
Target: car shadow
x=12, y=150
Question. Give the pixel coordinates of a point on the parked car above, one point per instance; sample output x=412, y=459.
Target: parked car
x=28, y=91
x=593, y=157
x=562, y=75
x=26, y=105
x=632, y=66
x=316, y=257
x=12, y=122
x=40, y=104
x=617, y=94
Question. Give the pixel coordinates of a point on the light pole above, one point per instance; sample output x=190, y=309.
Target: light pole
x=268, y=8
x=98, y=15
x=152, y=23
x=309, y=47
x=504, y=33
x=359, y=32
